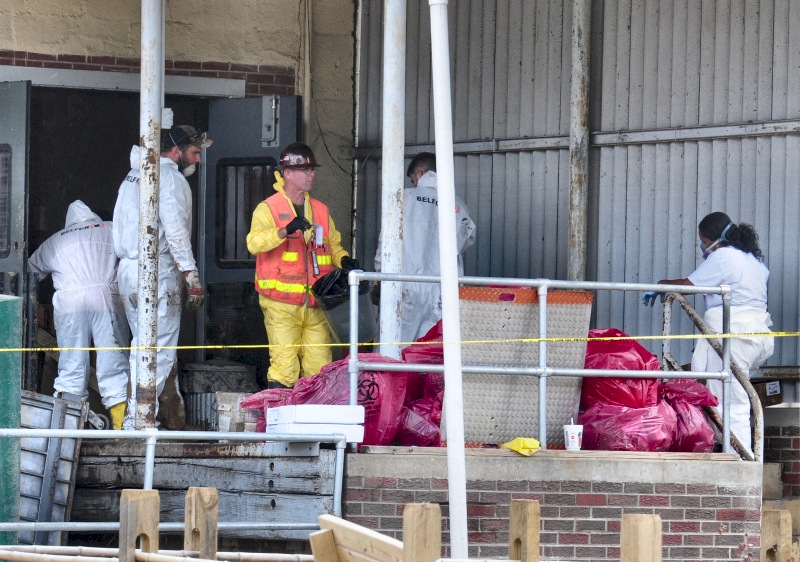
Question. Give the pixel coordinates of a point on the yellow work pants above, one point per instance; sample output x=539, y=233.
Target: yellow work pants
x=298, y=337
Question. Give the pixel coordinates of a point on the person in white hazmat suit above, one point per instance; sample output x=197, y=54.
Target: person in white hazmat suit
x=421, y=306
x=732, y=257
x=87, y=307
x=181, y=150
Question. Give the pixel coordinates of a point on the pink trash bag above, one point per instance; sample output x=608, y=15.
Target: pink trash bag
x=619, y=355
x=693, y=433
x=380, y=392
x=619, y=428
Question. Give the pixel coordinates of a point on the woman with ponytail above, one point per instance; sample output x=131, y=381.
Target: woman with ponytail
x=731, y=256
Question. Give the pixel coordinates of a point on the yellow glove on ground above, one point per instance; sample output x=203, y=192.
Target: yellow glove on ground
x=523, y=445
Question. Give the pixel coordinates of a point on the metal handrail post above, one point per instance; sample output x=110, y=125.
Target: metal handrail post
x=352, y=364
x=150, y=457
x=338, y=479
x=542, y=290
x=726, y=366
x=666, y=330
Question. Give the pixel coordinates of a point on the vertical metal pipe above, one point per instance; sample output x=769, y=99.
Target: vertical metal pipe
x=726, y=366
x=393, y=152
x=579, y=140
x=144, y=387
x=32, y=376
x=666, y=330
x=448, y=252
x=352, y=365
x=338, y=478
x=543, y=364
x=150, y=458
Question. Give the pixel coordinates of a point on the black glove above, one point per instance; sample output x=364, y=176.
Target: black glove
x=297, y=223
x=349, y=264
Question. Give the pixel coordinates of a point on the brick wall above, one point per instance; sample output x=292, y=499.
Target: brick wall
x=782, y=445
x=712, y=521
x=259, y=79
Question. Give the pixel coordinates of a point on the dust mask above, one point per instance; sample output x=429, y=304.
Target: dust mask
x=189, y=170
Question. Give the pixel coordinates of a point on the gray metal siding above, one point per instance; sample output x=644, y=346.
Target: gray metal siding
x=685, y=95
x=499, y=92
x=692, y=64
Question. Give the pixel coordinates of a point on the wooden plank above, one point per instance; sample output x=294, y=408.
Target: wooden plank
x=201, y=518
x=312, y=475
x=523, y=530
x=195, y=450
x=357, y=543
x=792, y=506
x=422, y=532
x=103, y=505
x=776, y=535
x=138, y=518
x=640, y=538
x=323, y=546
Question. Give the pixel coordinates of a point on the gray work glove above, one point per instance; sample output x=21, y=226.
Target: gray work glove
x=196, y=294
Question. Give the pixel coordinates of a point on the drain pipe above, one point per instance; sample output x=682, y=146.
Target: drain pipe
x=451, y=316
x=143, y=388
x=392, y=172
x=579, y=140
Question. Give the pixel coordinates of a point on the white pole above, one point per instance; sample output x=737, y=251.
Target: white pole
x=451, y=317
x=144, y=387
x=392, y=170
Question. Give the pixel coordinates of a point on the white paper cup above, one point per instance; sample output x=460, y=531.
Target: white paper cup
x=573, y=437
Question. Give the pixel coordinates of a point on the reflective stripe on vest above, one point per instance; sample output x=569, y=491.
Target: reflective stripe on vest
x=267, y=284
x=289, y=256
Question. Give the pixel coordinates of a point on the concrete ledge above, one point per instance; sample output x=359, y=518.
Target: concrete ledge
x=567, y=466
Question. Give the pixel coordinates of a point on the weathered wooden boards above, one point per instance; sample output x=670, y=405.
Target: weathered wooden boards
x=253, y=483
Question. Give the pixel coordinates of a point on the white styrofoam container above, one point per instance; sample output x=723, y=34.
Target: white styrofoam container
x=316, y=413
x=353, y=432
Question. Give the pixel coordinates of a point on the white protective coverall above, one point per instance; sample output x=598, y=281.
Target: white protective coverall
x=422, y=302
x=86, y=304
x=174, y=256
x=747, y=278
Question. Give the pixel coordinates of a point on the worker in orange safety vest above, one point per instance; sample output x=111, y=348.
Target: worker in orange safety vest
x=295, y=243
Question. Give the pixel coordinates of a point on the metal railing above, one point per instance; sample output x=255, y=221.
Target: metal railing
x=542, y=371
x=669, y=361
x=151, y=437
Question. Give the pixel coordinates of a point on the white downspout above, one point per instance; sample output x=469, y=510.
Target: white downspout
x=448, y=252
x=392, y=171
x=143, y=388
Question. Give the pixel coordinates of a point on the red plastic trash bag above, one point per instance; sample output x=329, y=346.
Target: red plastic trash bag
x=381, y=393
x=430, y=352
x=419, y=425
x=618, y=355
x=619, y=428
x=693, y=433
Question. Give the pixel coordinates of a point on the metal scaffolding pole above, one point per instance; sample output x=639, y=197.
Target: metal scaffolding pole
x=579, y=140
x=143, y=387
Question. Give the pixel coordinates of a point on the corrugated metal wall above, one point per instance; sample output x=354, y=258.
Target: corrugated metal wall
x=508, y=85
x=685, y=99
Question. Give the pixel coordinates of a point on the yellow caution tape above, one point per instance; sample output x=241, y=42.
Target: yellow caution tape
x=462, y=342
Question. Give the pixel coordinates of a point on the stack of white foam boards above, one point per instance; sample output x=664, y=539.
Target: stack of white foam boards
x=305, y=419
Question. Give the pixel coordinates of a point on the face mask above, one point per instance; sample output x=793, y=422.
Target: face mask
x=189, y=170
x=707, y=250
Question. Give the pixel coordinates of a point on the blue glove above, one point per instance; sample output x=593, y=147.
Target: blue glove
x=649, y=298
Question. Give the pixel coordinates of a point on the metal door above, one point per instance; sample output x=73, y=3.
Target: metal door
x=248, y=134
x=14, y=146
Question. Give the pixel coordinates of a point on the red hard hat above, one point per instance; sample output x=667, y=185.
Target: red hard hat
x=298, y=155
